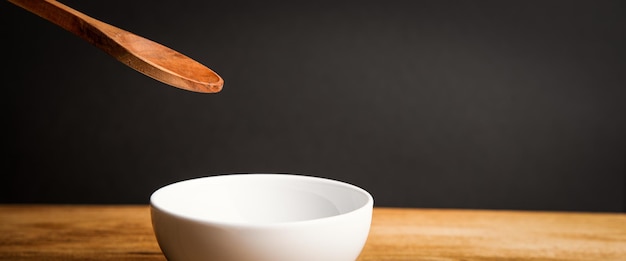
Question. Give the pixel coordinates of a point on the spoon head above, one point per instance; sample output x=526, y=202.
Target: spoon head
x=167, y=65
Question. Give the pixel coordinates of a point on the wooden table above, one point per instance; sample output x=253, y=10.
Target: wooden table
x=80, y=232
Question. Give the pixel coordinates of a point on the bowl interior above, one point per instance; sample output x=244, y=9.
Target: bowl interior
x=259, y=198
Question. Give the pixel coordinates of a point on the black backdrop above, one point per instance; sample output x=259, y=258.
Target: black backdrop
x=443, y=104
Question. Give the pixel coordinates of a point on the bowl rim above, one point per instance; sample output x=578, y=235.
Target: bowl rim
x=367, y=206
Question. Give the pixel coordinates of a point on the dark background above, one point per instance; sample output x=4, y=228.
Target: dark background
x=429, y=104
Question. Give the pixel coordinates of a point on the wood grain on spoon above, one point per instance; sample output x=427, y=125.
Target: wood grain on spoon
x=141, y=54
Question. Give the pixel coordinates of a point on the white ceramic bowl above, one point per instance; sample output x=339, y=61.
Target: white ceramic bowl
x=261, y=217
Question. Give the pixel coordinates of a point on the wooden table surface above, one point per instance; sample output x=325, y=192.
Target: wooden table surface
x=84, y=232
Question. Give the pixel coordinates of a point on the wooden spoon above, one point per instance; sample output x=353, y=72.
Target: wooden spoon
x=141, y=54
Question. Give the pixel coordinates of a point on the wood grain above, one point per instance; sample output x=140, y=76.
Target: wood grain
x=78, y=232
x=421, y=234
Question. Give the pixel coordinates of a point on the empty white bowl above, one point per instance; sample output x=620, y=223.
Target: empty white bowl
x=261, y=217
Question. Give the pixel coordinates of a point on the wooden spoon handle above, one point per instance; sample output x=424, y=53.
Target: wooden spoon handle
x=90, y=29
x=58, y=14
x=141, y=54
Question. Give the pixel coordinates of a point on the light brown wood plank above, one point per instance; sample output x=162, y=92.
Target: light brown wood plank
x=77, y=232
x=422, y=234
